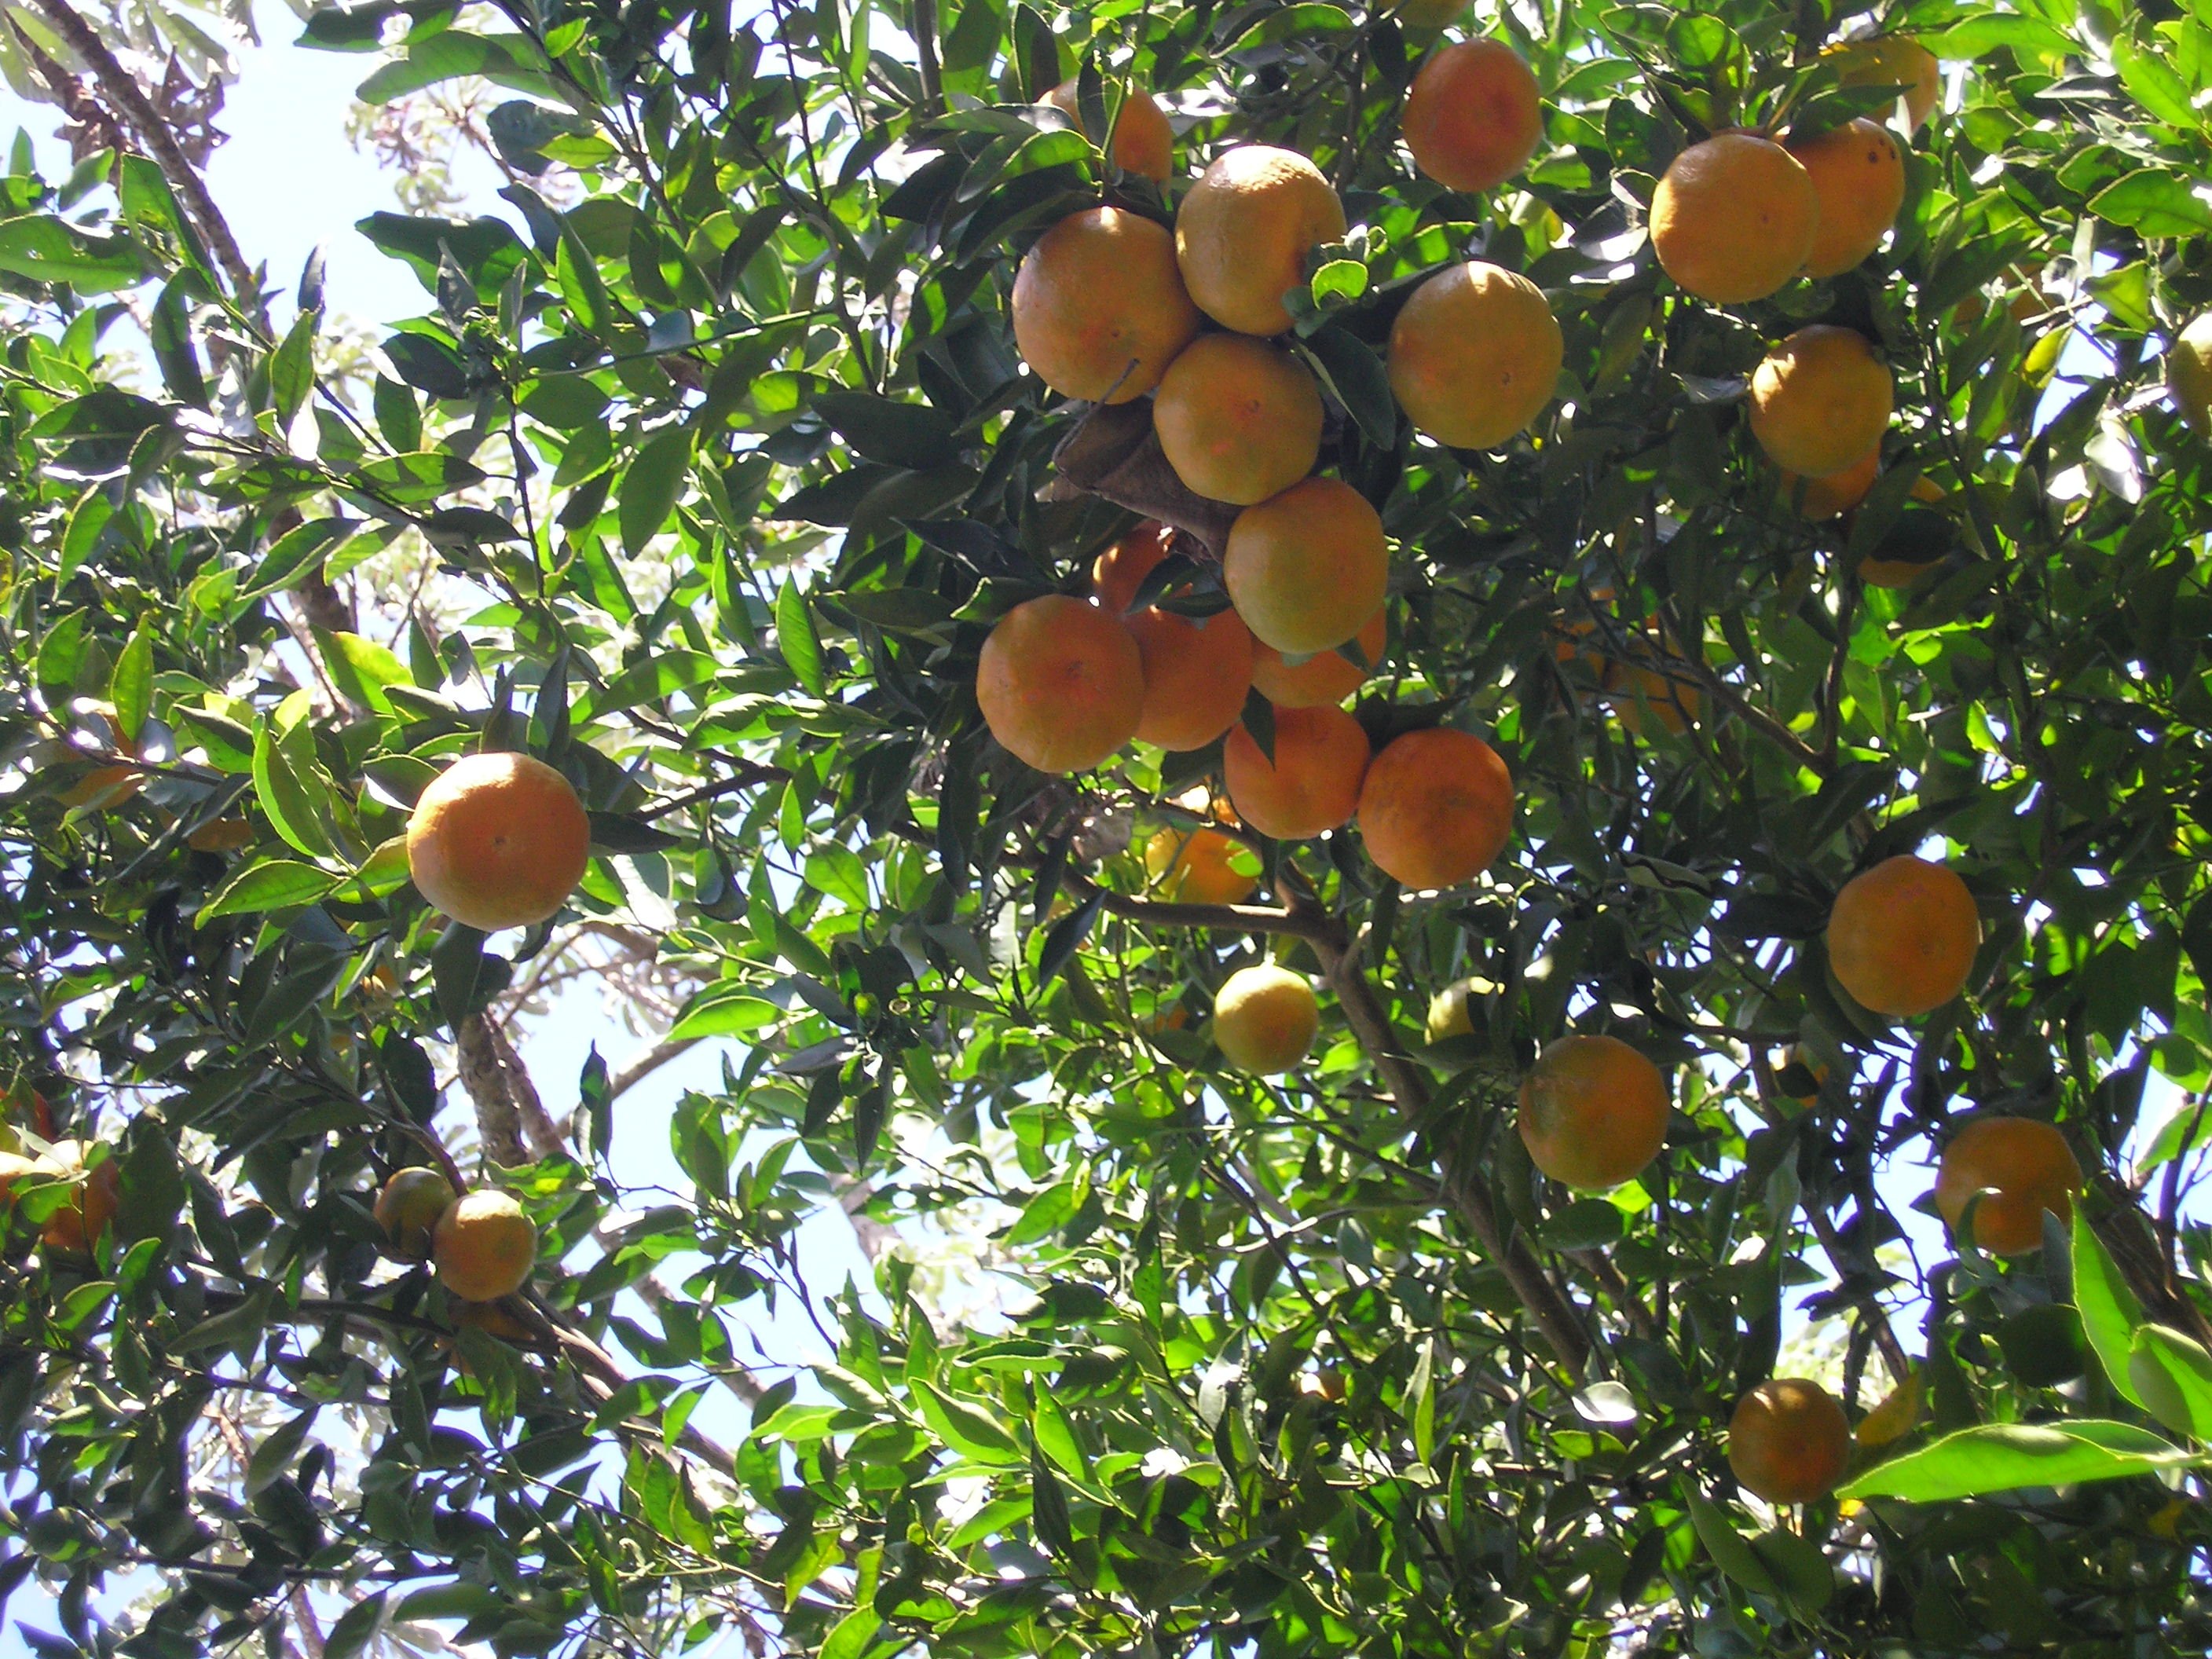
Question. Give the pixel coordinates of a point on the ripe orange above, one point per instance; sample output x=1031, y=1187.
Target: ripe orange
x=1198, y=866
x=1099, y=308
x=1144, y=144
x=2028, y=1168
x=1061, y=682
x=1788, y=1441
x=484, y=1246
x=1902, y=936
x=1474, y=355
x=1313, y=784
x=1858, y=175
x=1820, y=401
x=1243, y=231
x=2188, y=371
x=498, y=841
x=1734, y=218
x=1474, y=116
x=1308, y=568
x=1119, y=571
x=1593, y=1112
x=75, y=1227
x=408, y=1208
x=1673, y=699
x=1239, y=419
x=1435, y=807
x=1324, y=677
x=1892, y=60
x=1265, y=1018
x=1197, y=672
x=1835, y=495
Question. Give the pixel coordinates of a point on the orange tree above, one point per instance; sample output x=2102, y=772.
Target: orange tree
x=704, y=482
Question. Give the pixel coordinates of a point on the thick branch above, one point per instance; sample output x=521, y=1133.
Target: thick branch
x=538, y=1129
x=498, y=1124
x=124, y=93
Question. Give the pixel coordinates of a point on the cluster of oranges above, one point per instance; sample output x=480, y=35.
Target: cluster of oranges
x=481, y=1242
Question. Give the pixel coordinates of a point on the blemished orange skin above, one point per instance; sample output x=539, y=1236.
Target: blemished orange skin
x=408, y=1208
x=1239, y=419
x=1119, y=571
x=1788, y=1441
x=484, y=1246
x=1820, y=401
x=1313, y=785
x=1473, y=115
x=1197, y=672
x=1144, y=142
x=1099, y=308
x=1902, y=936
x=1593, y=1112
x=1308, y=568
x=1858, y=176
x=1734, y=218
x=1198, y=866
x=1474, y=355
x=2029, y=1165
x=1265, y=1018
x=1835, y=495
x=1061, y=682
x=1893, y=60
x=498, y=839
x=1243, y=230
x=1327, y=677
x=1435, y=808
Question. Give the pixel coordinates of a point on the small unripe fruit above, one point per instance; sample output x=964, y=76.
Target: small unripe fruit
x=408, y=1210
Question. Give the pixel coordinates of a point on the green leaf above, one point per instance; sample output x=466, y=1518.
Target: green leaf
x=446, y=57
x=658, y=677
x=2008, y=1456
x=130, y=688
x=1420, y=1403
x=912, y=435
x=723, y=1011
x=93, y=513
x=2151, y=81
x=969, y=1430
x=1356, y=378
x=272, y=884
x=285, y=782
x=45, y=249
x=650, y=485
x=796, y=638
x=2110, y=1312
x=362, y=668
x=2172, y=1375
x=1048, y=1516
x=1731, y=1553
x=577, y=274
x=423, y=476
x=2153, y=203
x=292, y=368
x=298, y=551
x=356, y=1628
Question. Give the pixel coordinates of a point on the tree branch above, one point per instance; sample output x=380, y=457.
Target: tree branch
x=499, y=1123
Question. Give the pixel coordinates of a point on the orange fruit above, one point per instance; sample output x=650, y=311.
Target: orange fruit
x=1892, y=60
x=1835, y=495
x=1197, y=672
x=408, y=1208
x=498, y=841
x=1593, y=1112
x=1902, y=936
x=1788, y=1441
x=1311, y=787
x=2188, y=371
x=1435, y=808
x=1474, y=355
x=1324, y=677
x=1858, y=175
x=484, y=1246
x=1119, y=571
x=2021, y=1166
x=1265, y=1018
x=1061, y=682
x=1143, y=144
x=1473, y=115
x=1820, y=401
x=1099, y=308
x=1198, y=866
x=1243, y=232
x=1239, y=419
x=1308, y=568
x=1630, y=688
x=75, y=1227
x=1734, y=218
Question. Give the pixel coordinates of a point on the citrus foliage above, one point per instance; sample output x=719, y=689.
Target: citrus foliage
x=740, y=456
